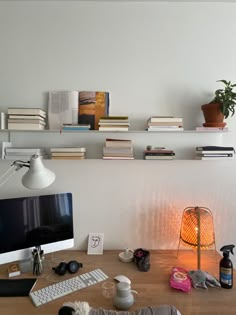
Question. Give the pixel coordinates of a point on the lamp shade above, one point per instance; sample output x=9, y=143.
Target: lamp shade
x=38, y=176
x=197, y=225
x=197, y=229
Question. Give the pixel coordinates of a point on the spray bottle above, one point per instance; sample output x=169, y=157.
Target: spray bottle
x=226, y=267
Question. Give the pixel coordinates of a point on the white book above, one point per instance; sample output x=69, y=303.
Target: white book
x=215, y=152
x=164, y=124
x=26, y=111
x=68, y=149
x=113, y=129
x=22, y=151
x=159, y=157
x=213, y=158
x=23, y=126
x=26, y=121
x=62, y=108
x=118, y=150
x=111, y=123
x=118, y=155
x=165, y=129
x=68, y=154
x=118, y=158
x=165, y=119
x=215, y=155
x=27, y=117
x=114, y=143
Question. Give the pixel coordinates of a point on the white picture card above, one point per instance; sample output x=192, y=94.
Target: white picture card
x=95, y=244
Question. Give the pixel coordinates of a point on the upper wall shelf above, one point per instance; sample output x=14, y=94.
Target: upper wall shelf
x=115, y=132
x=201, y=1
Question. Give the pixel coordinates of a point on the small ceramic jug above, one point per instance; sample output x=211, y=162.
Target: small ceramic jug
x=124, y=298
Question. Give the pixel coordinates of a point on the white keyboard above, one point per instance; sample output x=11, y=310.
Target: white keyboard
x=62, y=288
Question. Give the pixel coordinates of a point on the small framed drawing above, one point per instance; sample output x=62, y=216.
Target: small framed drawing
x=95, y=244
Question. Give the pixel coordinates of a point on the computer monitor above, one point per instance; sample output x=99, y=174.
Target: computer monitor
x=27, y=222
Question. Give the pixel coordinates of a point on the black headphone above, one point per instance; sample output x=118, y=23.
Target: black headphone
x=72, y=267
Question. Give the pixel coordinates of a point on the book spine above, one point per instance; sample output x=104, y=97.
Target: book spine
x=213, y=148
x=158, y=151
x=160, y=119
x=26, y=111
x=148, y=157
x=105, y=118
x=215, y=152
x=215, y=155
x=67, y=149
x=68, y=154
x=166, y=129
x=114, y=129
x=76, y=128
x=159, y=154
x=16, y=126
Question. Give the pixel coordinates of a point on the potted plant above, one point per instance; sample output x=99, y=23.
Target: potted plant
x=221, y=107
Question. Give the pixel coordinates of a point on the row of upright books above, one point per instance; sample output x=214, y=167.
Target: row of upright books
x=214, y=153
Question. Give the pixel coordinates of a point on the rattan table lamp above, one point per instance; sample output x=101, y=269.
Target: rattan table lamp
x=197, y=230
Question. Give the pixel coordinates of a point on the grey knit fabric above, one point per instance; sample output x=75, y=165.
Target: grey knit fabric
x=150, y=310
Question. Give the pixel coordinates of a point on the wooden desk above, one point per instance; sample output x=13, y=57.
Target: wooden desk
x=152, y=286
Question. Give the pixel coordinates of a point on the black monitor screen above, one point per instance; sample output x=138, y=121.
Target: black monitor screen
x=32, y=221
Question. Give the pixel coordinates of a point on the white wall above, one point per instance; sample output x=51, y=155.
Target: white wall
x=153, y=58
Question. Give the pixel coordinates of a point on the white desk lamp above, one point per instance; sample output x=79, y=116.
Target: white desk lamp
x=37, y=177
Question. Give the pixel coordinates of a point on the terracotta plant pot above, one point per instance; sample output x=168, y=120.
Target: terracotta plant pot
x=213, y=115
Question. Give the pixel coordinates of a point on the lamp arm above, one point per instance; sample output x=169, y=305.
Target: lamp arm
x=15, y=166
x=19, y=164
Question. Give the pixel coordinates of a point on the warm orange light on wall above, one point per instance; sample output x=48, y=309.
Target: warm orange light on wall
x=197, y=229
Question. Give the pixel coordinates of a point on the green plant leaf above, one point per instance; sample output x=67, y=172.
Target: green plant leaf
x=226, y=97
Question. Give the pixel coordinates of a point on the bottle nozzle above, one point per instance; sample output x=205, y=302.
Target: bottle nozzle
x=228, y=248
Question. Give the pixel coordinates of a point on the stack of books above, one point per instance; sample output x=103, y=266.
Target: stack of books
x=158, y=154
x=165, y=123
x=114, y=123
x=118, y=149
x=26, y=118
x=79, y=127
x=68, y=153
x=214, y=153
x=23, y=154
